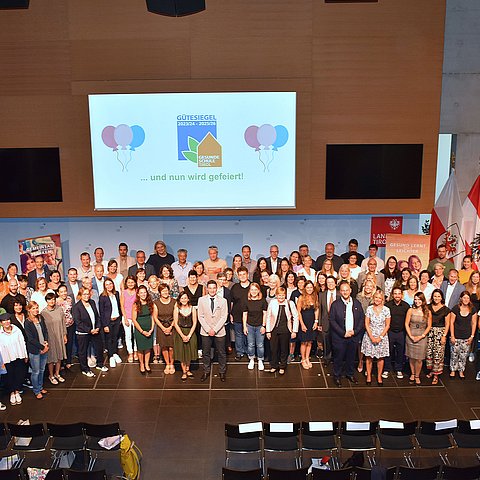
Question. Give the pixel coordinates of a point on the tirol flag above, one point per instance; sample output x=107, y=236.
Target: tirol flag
x=447, y=221
x=471, y=221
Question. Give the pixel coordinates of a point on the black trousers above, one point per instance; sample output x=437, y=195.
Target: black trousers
x=279, y=349
x=396, y=359
x=207, y=344
x=15, y=374
x=70, y=343
x=344, y=351
x=111, y=338
x=84, y=341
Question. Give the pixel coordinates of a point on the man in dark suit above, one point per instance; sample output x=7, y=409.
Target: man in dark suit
x=73, y=284
x=273, y=262
x=452, y=289
x=326, y=300
x=149, y=269
x=347, y=326
x=41, y=271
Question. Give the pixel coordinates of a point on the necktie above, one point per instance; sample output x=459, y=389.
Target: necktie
x=330, y=301
x=212, y=304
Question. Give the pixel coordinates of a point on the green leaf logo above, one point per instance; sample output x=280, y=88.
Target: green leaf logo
x=193, y=144
x=192, y=156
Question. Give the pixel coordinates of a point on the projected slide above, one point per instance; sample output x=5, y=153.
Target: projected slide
x=193, y=151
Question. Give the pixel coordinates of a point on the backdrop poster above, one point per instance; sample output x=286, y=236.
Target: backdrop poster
x=412, y=251
x=49, y=246
x=381, y=226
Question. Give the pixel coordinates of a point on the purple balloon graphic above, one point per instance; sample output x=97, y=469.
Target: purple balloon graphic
x=109, y=138
x=123, y=135
x=266, y=135
x=251, y=137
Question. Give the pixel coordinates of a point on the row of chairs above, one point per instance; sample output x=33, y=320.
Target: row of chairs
x=444, y=472
x=261, y=438
x=56, y=474
x=60, y=439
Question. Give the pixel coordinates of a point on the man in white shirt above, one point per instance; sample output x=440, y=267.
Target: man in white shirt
x=181, y=268
x=372, y=253
x=86, y=268
x=98, y=253
x=452, y=289
x=273, y=261
x=73, y=285
x=98, y=279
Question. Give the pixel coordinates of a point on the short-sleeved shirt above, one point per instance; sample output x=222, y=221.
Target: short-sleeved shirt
x=398, y=314
x=255, y=309
x=462, y=328
x=438, y=317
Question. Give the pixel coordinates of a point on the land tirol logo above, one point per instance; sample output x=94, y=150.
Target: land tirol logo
x=197, y=140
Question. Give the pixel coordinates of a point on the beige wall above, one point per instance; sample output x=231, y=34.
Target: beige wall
x=366, y=73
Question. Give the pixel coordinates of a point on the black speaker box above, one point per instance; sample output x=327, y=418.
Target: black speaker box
x=175, y=8
x=12, y=4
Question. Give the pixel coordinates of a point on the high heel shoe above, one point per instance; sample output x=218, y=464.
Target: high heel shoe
x=380, y=382
x=417, y=381
x=368, y=382
x=411, y=380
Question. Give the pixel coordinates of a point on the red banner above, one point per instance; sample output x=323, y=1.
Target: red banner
x=381, y=226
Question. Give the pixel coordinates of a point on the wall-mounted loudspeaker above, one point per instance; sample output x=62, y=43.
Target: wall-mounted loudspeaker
x=12, y=4
x=175, y=8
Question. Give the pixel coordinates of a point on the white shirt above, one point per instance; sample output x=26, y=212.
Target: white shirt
x=89, y=310
x=331, y=297
x=348, y=314
x=75, y=288
x=274, y=264
x=113, y=301
x=180, y=272
x=449, y=292
x=310, y=277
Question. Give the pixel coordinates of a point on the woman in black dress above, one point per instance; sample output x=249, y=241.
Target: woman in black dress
x=308, y=312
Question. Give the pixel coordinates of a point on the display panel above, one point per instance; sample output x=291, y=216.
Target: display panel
x=193, y=150
x=30, y=175
x=371, y=171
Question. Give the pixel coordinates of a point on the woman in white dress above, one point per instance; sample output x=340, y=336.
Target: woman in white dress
x=375, y=341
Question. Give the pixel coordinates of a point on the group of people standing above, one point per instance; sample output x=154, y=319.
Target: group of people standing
x=268, y=308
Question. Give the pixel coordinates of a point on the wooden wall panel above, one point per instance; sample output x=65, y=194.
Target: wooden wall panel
x=363, y=74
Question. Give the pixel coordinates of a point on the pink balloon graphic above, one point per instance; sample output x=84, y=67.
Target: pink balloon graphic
x=251, y=137
x=266, y=135
x=123, y=135
x=109, y=138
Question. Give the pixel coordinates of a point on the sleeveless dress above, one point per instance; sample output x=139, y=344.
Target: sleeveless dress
x=416, y=351
x=308, y=317
x=165, y=316
x=185, y=352
x=193, y=297
x=377, y=324
x=144, y=319
x=55, y=323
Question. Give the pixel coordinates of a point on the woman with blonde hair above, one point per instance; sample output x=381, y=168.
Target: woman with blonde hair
x=365, y=297
x=375, y=341
x=438, y=275
x=344, y=274
x=327, y=268
x=308, y=314
x=202, y=277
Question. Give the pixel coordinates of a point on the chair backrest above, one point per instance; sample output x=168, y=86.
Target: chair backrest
x=65, y=430
x=281, y=430
x=86, y=475
x=13, y=474
x=297, y=474
x=429, y=473
x=444, y=427
x=228, y=474
x=35, y=430
x=342, y=474
x=251, y=430
x=396, y=429
x=56, y=474
x=460, y=473
x=362, y=473
x=102, y=431
x=468, y=427
x=319, y=429
x=359, y=429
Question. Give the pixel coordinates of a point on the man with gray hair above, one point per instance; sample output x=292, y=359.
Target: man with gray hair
x=181, y=268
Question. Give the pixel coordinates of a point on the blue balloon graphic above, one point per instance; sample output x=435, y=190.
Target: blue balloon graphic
x=138, y=137
x=282, y=137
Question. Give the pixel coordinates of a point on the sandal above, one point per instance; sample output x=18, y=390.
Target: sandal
x=184, y=377
x=305, y=364
x=130, y=358
x=411, y=380
x=38, y=396
x=429, y=375
x=452, y=374
x=59, y=378
x=435, y=380
x=43, y=391
x=189, y=374
x=360, y=369
x=417, y=381
x=172, y=369
x=53, y=380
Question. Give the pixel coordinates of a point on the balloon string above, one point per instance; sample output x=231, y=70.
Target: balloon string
x=129, y=159
x=272, y=153
x=260, y=158
x=119, y=161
